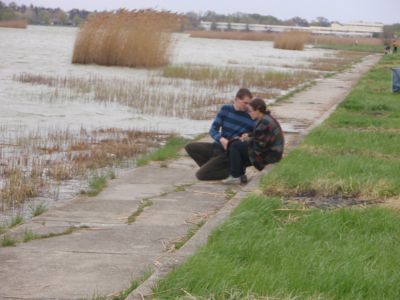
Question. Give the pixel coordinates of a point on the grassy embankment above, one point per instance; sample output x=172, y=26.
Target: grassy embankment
x=362, y=44
x=276, y=246
x=353, y=47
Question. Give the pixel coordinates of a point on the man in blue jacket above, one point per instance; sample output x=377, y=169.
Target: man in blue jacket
x=231, y=122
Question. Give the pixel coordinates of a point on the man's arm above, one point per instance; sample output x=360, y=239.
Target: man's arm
x=216, y=126
x=215, y=129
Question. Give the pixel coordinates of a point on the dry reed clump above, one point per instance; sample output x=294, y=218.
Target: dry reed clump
x=138, y=38
x=291, y=40
x=234, y=35
x=18, y=187
x=14, y=24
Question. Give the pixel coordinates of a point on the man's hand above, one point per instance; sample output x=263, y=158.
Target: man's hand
x=224, y=142
x=244, y=137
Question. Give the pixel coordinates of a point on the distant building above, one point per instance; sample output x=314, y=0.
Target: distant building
x=361, y=29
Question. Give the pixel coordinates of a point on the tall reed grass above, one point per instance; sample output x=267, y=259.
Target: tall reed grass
x=14, y=24
x=155, y=96
x=291, y=40
x=138, y=38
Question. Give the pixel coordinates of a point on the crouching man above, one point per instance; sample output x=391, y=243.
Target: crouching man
x=231, y=122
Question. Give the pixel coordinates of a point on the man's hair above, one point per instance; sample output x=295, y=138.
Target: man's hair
x=243, y=93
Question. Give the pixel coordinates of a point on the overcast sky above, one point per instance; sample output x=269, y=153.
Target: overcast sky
x=385, y=11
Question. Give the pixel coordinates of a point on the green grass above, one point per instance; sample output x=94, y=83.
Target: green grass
x=142, y=205
x=3, y=229
x=230, y=193
x=191, y=232
x=125, y=293
x=38, y=209
x=361, y=48
x=168, y=151
x=16, y=220
x=96, y=184
x=267, y=250
x=29, y=236
x=69, y=230
x=7, y=241
x=355, y=152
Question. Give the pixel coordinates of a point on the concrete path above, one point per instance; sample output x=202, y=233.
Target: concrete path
x=97, y=253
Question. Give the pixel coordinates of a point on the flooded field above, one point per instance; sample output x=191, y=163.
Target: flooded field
x=59, y=121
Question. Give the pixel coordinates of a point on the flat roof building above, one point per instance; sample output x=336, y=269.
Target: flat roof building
x=343, y=29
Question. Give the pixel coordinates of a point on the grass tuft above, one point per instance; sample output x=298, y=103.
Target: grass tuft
x=38, y=209
x=191, y=232
x=7, y=241
x=29, y=236
x=16, y=220
x=142, y=205
x=168, y=151
x=125, y=293
x=98, y=182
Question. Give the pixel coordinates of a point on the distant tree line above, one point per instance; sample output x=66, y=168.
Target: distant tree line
x=40, y=15
x=390, y=32
x=211, y=16
x=56, y=16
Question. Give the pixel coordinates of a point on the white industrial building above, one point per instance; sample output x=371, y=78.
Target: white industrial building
x=348, y=29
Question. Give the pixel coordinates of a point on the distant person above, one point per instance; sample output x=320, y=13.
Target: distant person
x=394, y=44
x=231, y=122
x=387, y=49
x=262, y=147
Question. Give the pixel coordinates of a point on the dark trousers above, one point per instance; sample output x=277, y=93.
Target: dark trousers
x=211, y=158
x=238, y=158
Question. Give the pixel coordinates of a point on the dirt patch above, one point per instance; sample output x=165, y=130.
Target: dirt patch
x=331, y=202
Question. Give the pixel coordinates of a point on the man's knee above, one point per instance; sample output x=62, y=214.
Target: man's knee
x=193, y=148
x=201, y=175
x=212, y=173
x=189, y=148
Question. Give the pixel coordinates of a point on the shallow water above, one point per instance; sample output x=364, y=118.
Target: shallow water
x=48, y=50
